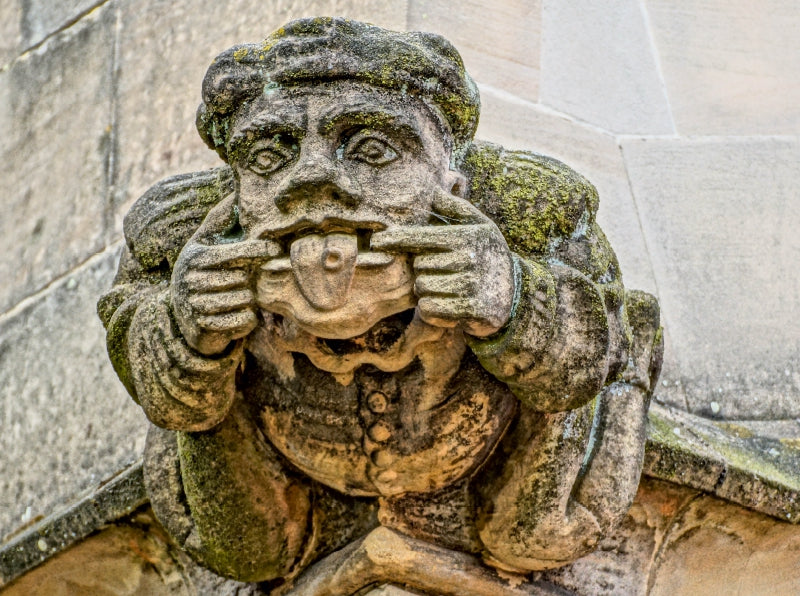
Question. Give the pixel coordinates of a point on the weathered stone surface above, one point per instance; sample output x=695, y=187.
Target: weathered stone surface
x=165, y=48
x=712, y=549
x=119, y=561
x=389, y=591
x=386, y=305
x=66, y=420
x=598, y=65
x=720, y=219
x=24, y=24
x=669, y=529
x=10, y=31
x=501, y=51
x=55, y=110
x=730, y=66
x=519, y=124
x=98, y=506
x=678, y=542
x=726, y=459
x=623, y=561
x=40, y=18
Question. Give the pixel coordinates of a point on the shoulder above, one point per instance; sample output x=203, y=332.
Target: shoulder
x=163, y=219
x=536, y=201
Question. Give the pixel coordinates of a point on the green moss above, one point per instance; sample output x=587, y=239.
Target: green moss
x=535, y=199
x=737, y=430
x=791, y=443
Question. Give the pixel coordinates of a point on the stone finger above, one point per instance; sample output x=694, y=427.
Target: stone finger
x=446, y=262
x=221, y=302
x=233, y=324
x=246, y=253
x=211, y=280
x=444, y=285
x=442, y=311
x=421, y=239
x=187, y=360
x=455, y=210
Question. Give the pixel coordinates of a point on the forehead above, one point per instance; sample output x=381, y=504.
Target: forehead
x=322, y=107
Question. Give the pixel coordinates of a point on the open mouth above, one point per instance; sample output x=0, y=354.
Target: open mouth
x=362, y=230
x=378, y=338
x=360, y=234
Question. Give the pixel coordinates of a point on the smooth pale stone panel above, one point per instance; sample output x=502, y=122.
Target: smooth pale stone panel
x=731, y=66
x=720, y=218
x=499, y=42
x=165, y=48
x=55, y=114
x=66, y=422
x=41, y=18
x=10, y=31
x=389, y=15
x=25, y=23
x=521, y=125
x=598, y=65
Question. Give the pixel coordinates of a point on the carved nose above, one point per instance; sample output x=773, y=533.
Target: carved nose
x=317, y=179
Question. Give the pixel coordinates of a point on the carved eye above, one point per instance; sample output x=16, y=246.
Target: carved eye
x=370, y=148
x=267, y=157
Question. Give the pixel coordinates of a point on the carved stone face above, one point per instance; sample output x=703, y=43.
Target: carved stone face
x=319, y=169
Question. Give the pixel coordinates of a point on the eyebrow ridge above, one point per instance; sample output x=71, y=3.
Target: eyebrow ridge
x=269, y=123
x=365, y=114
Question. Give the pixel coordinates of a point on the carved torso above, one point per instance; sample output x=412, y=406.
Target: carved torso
x=383, y=433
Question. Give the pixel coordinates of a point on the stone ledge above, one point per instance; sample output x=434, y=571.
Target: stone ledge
x=728, y=460
x=91, y=510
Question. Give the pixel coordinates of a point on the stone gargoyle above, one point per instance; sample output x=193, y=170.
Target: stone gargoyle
x=368, y=321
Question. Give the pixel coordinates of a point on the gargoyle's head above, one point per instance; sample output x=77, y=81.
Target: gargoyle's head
x=334, y=130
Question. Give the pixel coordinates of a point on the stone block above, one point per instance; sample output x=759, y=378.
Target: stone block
x=165, y=49
x=55, y=112
x=677, y=542
x=66, y=420
x=522, y=125
x=23, y=24
x=390, y=15
x=598, y=65
x=731, y=67
x=712, y=550
x=10, y=31
x=40, y=18
x=500, y=46
x=720, y=219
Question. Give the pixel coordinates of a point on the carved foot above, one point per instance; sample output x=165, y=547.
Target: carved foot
x=387, y=557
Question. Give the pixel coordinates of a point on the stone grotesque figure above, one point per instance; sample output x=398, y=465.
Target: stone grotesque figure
x=369, y=320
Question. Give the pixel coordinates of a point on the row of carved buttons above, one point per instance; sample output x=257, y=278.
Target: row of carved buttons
x=377, y=402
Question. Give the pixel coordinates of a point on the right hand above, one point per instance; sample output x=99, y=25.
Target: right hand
x=211, y=288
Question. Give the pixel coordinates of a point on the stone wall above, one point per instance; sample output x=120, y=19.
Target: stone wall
x=685, y=115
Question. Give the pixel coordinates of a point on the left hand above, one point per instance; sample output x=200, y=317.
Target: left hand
x=464, y=273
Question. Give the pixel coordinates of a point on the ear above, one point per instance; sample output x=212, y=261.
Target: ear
x=456, y=183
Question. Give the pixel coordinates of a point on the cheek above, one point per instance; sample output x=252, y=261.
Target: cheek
x=255, y=199
x=402, y=192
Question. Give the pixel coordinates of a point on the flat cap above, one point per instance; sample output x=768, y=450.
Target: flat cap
x=308, y=51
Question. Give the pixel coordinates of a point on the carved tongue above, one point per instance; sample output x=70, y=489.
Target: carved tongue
x=323, y=267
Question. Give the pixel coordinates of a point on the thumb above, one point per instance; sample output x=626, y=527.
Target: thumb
x=453, y=209
x=219, y=219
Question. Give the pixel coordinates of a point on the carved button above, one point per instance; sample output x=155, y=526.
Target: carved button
x=382, y=458
x=379, y=432
x=386, y=476
x=377, y=402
